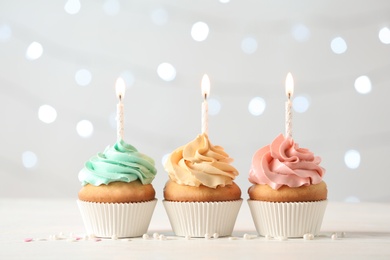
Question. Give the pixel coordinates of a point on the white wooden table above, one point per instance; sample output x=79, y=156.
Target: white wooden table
x=366, y=227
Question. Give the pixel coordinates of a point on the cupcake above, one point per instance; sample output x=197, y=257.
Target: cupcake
x=200, y=196
x=117, y=198
x=288, y=196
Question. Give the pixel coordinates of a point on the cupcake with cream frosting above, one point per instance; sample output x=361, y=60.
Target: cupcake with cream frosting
x=117, y=197
x=288, y=196
x=200, y=196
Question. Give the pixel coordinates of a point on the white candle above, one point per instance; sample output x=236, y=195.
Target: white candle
x=205, y=107
x=120, y=93
x=289, y=93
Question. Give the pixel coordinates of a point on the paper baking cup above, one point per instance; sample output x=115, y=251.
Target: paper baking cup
x=116, y=219
x=287, y=219
x=196, y=219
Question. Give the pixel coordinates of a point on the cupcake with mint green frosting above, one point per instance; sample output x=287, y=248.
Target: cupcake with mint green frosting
x=117, y=197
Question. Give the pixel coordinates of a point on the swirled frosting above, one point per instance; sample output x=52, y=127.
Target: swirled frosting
x=201, y=163
x=120, y=162
x=283, y=162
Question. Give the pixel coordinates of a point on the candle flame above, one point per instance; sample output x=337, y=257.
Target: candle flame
x=205, y=86
x=289, y=85
x=120, y=88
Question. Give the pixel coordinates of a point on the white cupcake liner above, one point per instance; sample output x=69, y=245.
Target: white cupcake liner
x=116, y=219
x=196, y=219
x=287, y=219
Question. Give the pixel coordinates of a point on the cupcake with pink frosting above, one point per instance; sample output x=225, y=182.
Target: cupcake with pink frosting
x=288, y=197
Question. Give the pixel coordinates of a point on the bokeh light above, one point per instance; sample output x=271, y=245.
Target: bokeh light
x=301, y=104
x=249, y=45
x=84, y=128
x=352, y=159
x=128, y=77
x=165, y=158
x=199, y=31
x=338, y=45
x=363, y=85
x=29, y=159
x=47, y=114
x=5, y=33
x=384, y=35
x=159, y=16
x=34, y=51
x=256, y=106
x=300, y=32
x=72, y=6
x=83, y=77
x=166, y=71
x=111, y=7
x=214, y=106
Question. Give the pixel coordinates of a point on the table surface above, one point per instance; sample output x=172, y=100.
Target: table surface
x=53, y=225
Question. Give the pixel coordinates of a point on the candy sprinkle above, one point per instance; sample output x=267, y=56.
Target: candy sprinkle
x=53, y=237
x=308, y=236
x=246, y=236
x=28, y=240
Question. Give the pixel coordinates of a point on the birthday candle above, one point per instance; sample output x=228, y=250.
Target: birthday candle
x=120, y=93
x=289, y=93
x=205, y=92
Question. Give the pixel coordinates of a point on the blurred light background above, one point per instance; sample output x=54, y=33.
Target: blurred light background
x=59, y=61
